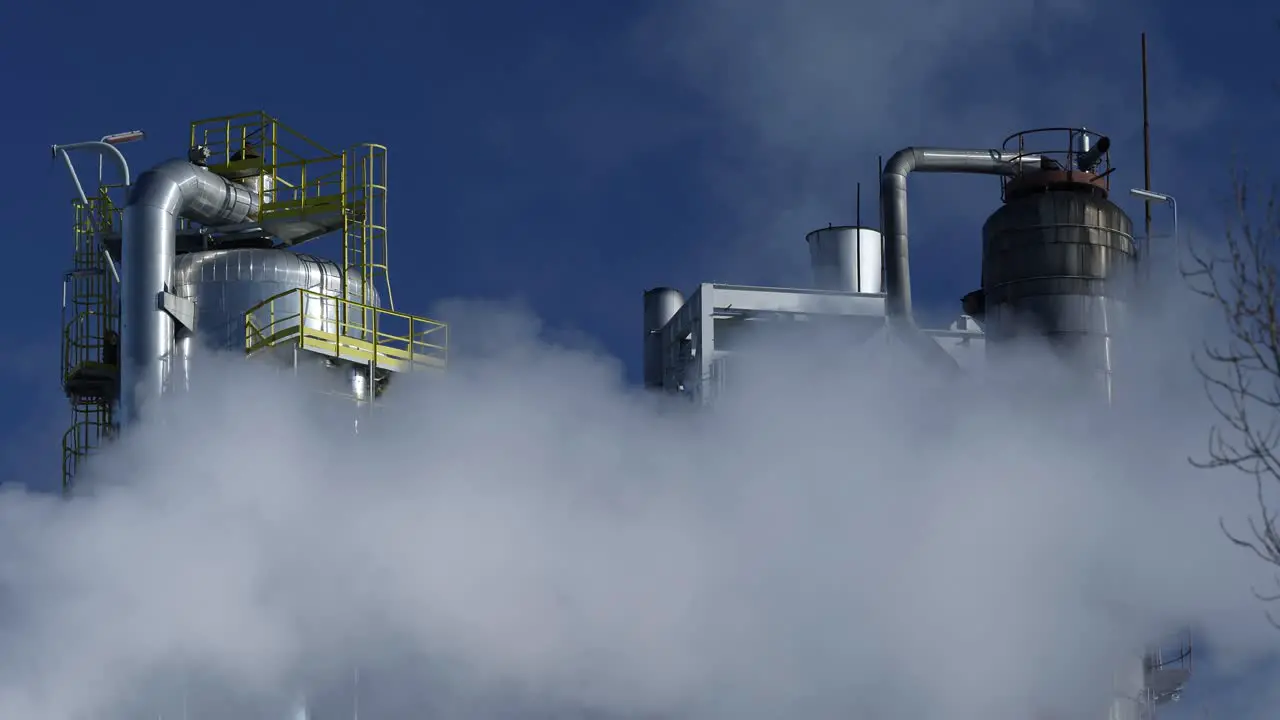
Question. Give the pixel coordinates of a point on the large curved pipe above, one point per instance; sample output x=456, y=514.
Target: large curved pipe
x=897, y=269
x=172, y=189
x=893, y=206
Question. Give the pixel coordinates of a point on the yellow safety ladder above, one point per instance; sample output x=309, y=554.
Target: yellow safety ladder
x=90, y=336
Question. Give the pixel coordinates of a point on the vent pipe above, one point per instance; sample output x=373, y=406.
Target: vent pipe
x=660, y=305
x=161, y=195
x=893, y=207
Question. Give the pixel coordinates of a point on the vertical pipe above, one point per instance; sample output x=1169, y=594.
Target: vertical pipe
x=857, y=221
x=893, y=208
x=879, y=172
x=173, y=189
x=1146, y=161
x=146, y=330
x=880, y=219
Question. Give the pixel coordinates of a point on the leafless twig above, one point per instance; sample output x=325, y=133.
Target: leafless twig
x=1241, y=372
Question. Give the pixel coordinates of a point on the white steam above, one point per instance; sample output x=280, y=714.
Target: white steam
x=848, y=536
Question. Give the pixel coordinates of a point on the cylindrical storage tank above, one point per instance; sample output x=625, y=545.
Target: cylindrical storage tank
x=847, y=259
x=225, y=284
x=1058, y=262
x=660, y=305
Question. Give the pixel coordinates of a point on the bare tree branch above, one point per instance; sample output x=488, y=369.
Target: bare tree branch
x=1241, y=372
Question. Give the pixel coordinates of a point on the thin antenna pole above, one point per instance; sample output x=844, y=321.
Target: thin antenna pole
x=879, y=172
x=1146, y=157
x=880, y=218
x=858, y=215
x=355, y=701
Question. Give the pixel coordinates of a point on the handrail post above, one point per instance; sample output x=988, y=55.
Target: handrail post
x=413, y=340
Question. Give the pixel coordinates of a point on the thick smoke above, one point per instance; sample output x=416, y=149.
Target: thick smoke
x=848, y=535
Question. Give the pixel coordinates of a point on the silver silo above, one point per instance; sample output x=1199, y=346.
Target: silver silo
x=660, y=305
x=847, y=259
x=225, y=284
x=1058, y=258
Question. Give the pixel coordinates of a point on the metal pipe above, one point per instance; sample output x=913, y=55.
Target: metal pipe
x=893, y=216
x=172, y=189
x=102, y=147
x=893, y=207
x=75, y=177
x=118, y=139
x=111, y=265
x=1149, y=197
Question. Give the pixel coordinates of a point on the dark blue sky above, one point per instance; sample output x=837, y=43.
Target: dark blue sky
x=569, y=155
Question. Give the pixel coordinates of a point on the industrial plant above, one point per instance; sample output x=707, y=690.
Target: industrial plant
x=1059, y=263
x=203, y=250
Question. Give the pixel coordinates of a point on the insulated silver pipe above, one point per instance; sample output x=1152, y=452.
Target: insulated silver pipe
x=893, y=209
x=893, y=206
x=172, y=189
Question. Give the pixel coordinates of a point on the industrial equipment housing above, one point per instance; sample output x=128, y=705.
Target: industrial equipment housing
x=1058, y=263
x=203, y=250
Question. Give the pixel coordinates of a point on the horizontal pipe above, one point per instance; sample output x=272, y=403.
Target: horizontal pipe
x=161, y=195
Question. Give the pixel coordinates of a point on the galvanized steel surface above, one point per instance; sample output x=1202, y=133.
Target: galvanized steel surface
x=660, y=305
x=847, y=259
x=893, y=207
x=224, y=284
x=173, y=189
x=1059, y=263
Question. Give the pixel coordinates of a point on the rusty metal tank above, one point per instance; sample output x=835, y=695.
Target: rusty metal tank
x=1058, y=258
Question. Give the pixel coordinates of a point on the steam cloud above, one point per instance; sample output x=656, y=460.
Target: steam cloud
x=848, y=536
x=526, y=537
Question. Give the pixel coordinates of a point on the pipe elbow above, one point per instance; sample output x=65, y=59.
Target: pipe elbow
x=182, y=189
x=899, y=165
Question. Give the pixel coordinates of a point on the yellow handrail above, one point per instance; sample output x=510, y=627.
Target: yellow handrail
x=339, y=329
x=294, y=174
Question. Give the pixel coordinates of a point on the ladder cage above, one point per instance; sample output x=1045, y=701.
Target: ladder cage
x=364, y=237
x=306, y=191
x=90, y=330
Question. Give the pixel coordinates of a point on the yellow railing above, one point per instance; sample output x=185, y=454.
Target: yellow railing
x=84, y=343
x=82, y=440
x=294, y=175
x=364, y=239
x=89, y=313
x=346, y=330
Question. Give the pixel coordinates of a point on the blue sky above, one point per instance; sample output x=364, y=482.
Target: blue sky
x=569, y=155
